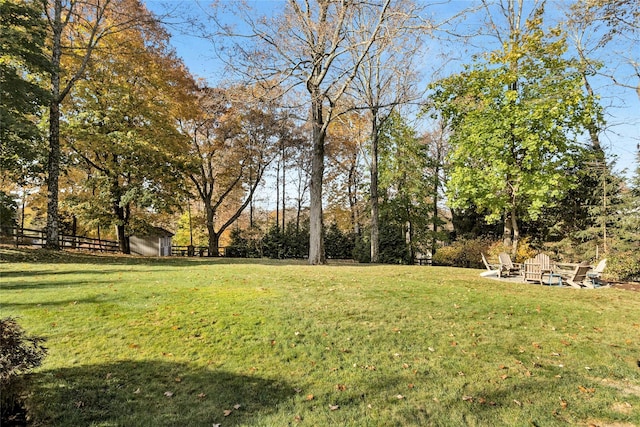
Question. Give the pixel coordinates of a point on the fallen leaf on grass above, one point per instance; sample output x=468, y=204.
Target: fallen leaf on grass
x=399, y=397
x=586, y=390
x=201, y=396
x=309, y=397
x=137, y=391
x=168, y=393
x=341, y=387
x=334, y=407
x=467, y=398
x=563, y=404
x=178, y=379
x=517, y=402
x=227, y=412
x=237, y=406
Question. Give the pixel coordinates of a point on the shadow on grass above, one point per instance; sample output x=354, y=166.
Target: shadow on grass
x=151, y=393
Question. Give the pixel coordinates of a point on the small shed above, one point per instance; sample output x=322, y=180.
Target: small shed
x=156, y=242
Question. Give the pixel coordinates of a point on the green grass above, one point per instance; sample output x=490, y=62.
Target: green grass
x=330, y=345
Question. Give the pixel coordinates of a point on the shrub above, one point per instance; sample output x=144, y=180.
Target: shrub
x=462, y=253
x=623, y=266
x=362, y=249
x=8, y=213
x=19, y=354
x=524, y=252
x=339, y=244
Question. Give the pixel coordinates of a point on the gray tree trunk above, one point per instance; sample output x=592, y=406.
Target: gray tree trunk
x=375, y=214
x=316, y=239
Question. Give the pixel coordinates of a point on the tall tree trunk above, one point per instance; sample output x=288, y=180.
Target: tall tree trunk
x=53, y=173
x=434, y=218
x=53, y=163
x=508, y=230
x=214, y=239
x=375, y=210
x=278, y=195
x=516, y=231
x=316, y=239
x=353, y=197
x=121, y=216
x=284, y=186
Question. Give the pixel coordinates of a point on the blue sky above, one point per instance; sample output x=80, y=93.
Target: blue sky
x=623, y=105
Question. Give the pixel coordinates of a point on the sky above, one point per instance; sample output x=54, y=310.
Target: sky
x=622, y=104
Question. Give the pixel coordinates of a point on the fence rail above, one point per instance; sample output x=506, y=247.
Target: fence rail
x=32, y=237
x=202, y=251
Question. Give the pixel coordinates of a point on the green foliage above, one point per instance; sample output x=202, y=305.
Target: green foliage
x=394, y=247
x=515, y=118
x=8, y=213
x=623, y=266
x=338, y=245
x=406, y=190
x=23, y=64
x=244, y=244
x=291, y=243
x=362, y=249
x=19, y=354
x=463, y=253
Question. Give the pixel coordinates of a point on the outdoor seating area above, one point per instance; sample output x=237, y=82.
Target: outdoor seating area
x=543, y=271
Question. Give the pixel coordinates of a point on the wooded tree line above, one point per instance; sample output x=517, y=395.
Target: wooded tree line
x=332, y=111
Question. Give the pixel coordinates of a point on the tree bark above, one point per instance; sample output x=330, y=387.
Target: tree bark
x=375, y=225
x=214, y=239
x=316, y=240
x=508, y=231
x=516, y=231
x=53, y=163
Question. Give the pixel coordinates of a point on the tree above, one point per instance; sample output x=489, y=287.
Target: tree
x=23, y=63
x=406, y=195
x=385, y=80
x=613, y=27
x=76, y=28
x=308, y=45
x=346, y=145
x=514, y=118
x=232, y=143
x=122, y=125
x=436, y=171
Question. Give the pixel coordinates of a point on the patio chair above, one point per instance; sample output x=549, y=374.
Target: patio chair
x=492, y=269
x=593, y=276
x=535, y=268
x=578, y=277
x=507, y=268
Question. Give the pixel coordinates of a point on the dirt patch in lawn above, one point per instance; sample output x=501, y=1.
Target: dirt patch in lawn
x=628, y=286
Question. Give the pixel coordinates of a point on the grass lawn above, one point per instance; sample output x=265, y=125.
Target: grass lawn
x=201, y=342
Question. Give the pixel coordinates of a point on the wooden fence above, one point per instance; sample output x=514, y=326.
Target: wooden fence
x=31, y=237
x=202, y=251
